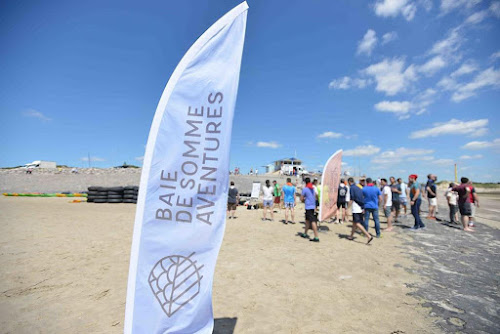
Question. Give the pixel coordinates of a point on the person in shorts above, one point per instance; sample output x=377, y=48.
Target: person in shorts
x=474, y=200
x=387, y=203
x=267, y=200
x=288, y=193
x=464, y=202
x=396, y=192
x=341, y=200
x=277, y=195
x=309, y=198
x=403, y=201
x=431, y=190
x=451, y=198
x=357, y=203
x=233, y=199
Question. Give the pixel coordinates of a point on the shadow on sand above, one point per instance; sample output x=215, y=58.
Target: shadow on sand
x=224, y=325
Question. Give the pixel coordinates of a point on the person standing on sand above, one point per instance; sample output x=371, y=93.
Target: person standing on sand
x=372, y=196
x=415, y=201
x=277, y=195
x=474, y=203
x=464, y=202
x=451, y=197
x=309, y=198
x=288, y=194
x=403, y=195
x=233, y=199
x=341, y=200
x=396, y=192
x=267, y=200
x=431, y=190
x=387, y=203
x=357, y=204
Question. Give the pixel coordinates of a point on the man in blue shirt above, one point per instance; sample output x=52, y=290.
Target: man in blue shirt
x=288, y=194
x=309, y=198
x=372, y=196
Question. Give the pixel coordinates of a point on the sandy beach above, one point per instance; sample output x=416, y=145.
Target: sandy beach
x=65, y=265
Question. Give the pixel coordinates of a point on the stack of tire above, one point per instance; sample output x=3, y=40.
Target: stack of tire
x=130, y=194
x=97, y=195
x=115, y=194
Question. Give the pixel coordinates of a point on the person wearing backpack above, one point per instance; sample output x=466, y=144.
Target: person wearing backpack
x=341, y=200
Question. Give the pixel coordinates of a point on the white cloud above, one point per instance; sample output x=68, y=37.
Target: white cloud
x=432, y=66
x=495, y=56
x=447, y=83
x=368, y=43
x=454, y=127
x=389, y=37
x=470, y=157
x=359, y=151
x=424, y=99
x=450, y=82
x=270, y=144
x=401, y=109
x=36, y=114
x=427, y=4
x=449, y=46
x=426, y=158
x=92, y=159
x=495, y=9
x=477, y=17
x=443, y=162
x=330, y=134
x=402, y=154
x=393, y=8
x=481, y=145
x=464, y=69
x=487, y=78
x=347, y=83
x=391, y=76
x=449, y=5
x=141, y=159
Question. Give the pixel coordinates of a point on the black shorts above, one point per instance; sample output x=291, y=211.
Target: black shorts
x=465, y=209
x=310, y=216
x=341, y=205
x=395, y=206
x=357, y=218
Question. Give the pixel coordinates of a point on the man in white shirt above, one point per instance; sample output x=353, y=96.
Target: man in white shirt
x=267, y=199
x=402, y=196
x=452, y=197
x=387, y=203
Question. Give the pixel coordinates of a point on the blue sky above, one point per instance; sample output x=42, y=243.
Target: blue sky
x=402, y=86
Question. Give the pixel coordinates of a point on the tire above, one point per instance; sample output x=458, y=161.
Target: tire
x=90, y=200
x=115, y=193
x=130, y=187
x=93, y=193
x=129, y=201
x=99, y=197
x=128, y=196
x=101, y=200
x=129, y=191
x=93, y=188
x=115, y=197
x=102, y=193
x=115, y=201
x=119, y=189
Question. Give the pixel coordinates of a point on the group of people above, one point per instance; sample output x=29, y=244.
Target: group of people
x=365, y=198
